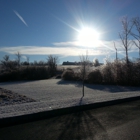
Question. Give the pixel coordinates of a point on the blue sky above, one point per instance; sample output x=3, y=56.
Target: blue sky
x=38, y=28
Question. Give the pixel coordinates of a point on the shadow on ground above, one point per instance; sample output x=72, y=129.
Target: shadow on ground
x=106, y=88
x=82, y=125
x=76, y=126
x=65, y=82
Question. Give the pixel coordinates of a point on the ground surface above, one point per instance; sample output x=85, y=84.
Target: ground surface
x=119, y=122
x=7, y=97
x=57, y=89
x=55, y=93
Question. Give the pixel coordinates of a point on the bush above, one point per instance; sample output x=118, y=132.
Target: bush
x=34, y=73
x=108, y=74
x=28, y=73
x=95, y=77
x=117, y=72
x=68, y=75
x=9, y=76
x=120, y=73
x=52, y=64
x=96, y=62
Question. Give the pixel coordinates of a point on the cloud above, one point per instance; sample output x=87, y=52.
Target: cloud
x=24, y=57
x=40, y=50
x=20, y=17
x=65, y=44
x=69, y=49
x=73, y=44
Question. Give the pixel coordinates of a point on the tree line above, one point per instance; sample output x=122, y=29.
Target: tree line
x=8, y=64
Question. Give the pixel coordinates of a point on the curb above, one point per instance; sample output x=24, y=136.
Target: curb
x=15, y=120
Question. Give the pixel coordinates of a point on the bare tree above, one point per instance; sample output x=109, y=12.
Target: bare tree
x=124, y=36
x=28, y=58
x=18, y=55
x=52, y=64
x=116, y=51
x=136, y=22
x=84, y=69
x=6, y=58
x=5, y=62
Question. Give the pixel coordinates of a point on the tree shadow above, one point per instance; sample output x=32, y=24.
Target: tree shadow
x=82, y=125
x=112, y=88
x=106, y=88
x=66, y=82
x=81, y=99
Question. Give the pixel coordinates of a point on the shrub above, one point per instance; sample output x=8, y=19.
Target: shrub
x=34, y=73
x=77, y=76
x=108, y=73
x=133, y=74
x=52, y=64
x=7, y=64
x=3, y=78
x=95, y=77
x=28, y=73
x=68, y=75
x=121, y=73
x=96, y=62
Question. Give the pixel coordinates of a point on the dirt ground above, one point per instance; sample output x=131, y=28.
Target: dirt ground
x=116, y=122
x=7, y=97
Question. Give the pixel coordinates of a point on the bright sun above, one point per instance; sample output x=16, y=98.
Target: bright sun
x=88, y=37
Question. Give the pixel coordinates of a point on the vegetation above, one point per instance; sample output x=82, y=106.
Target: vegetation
x=52, y=64
x=116, y=51
x=18, y=59
x=84, y=69
x=15, y=70
x=68, y=75
x=117, y=72
x=95, y=77
x=7, y=64
x=136, y=22
x=27, y=73
x=127, y=26
x=96, y=62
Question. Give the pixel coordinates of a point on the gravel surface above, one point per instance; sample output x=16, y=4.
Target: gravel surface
x=56, y=93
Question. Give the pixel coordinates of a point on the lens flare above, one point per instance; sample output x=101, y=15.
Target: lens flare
x=88, y=37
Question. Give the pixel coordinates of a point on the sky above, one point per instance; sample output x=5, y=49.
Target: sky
x=38, y=28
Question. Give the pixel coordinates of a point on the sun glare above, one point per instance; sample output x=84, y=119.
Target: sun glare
x=88, y=37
